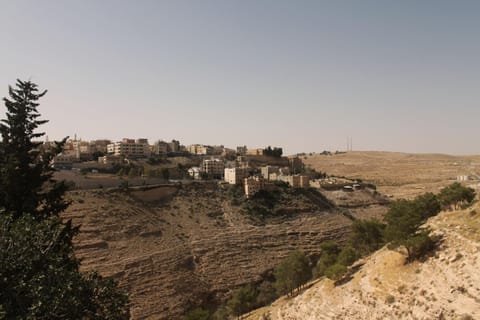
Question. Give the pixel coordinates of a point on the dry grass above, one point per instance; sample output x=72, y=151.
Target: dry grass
x=398, y=174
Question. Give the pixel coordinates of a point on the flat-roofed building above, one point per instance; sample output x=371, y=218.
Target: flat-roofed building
x=235, y=175
x=253, y=185
x=160, y=147
x=214, y=168
x=296, y=180
x=268, y=170
x=242, y=150
x=130, y=148
x=255, y=152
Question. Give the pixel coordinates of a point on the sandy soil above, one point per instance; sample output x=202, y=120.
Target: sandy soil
x=445, y=286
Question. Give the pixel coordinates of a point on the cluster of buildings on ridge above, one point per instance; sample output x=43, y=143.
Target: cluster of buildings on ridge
x=108, y=152
x=230, y=165
x=239, y=172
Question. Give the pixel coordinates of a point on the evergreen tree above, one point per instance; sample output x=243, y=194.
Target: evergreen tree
x=26, y=184
x=39, y=274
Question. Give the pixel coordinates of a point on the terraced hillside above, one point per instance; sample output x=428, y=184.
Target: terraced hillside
x=175, y=247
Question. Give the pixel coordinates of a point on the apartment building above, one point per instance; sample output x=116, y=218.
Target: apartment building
x=296, y=180
x=214, y=168
x=268, y=170
x=199, y=149
x=242, y=150
x=160, y=147
x=255, y=152
x=174, y=146
x=130, y=148
x=253, y=185
x=235, y=175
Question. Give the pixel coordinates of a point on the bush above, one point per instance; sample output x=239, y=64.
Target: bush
x=330, y=251
x=266, y=293
x=347, y=256
x=197, y=314
x=336, y=271
x=419, y=245
x=242, y=300
x=367, y=235
x=455, y=194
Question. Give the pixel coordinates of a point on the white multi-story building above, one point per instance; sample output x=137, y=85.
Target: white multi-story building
x=235, y=175
x=130, y=148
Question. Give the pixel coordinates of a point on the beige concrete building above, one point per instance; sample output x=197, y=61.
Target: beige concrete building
x=296, y=180
x=130, y=148
x=255, y=152
x=269, y=170
x=304, y=181
x=160, y=148
x=235, y=175
x=253, y=185
x=199, y=149
x=214, y=168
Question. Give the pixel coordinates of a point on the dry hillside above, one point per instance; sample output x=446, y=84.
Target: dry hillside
x=445, y=286
x=174, y=247
x=398, y=174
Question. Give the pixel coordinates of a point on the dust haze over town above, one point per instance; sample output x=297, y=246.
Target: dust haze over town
x=252, y=160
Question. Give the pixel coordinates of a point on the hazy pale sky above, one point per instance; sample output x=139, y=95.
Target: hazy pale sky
x=305, y=75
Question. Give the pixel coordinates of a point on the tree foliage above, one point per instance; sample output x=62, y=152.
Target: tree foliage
x=242, y=300
x=275, y=152
x=367, y=235
x=39, y=274
x=404, y=220
x=26, y=184
x=456, y=194
x=198, y=314
x=292, y=272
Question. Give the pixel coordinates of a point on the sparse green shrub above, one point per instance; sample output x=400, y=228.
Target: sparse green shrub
x=266, y=293
x=456, y=194
x=197, y=314
x=336, y=271
x=347, y=256
x=242, y=300
x=389, y=299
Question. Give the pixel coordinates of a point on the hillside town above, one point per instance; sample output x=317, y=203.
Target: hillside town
x=253, y=169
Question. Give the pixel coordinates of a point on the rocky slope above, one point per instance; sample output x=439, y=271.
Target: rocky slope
x=445, y=286
x=175, y=247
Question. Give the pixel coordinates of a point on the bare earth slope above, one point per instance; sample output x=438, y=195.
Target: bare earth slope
x=398, y=174
x=445, y=286
x=174, y=247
